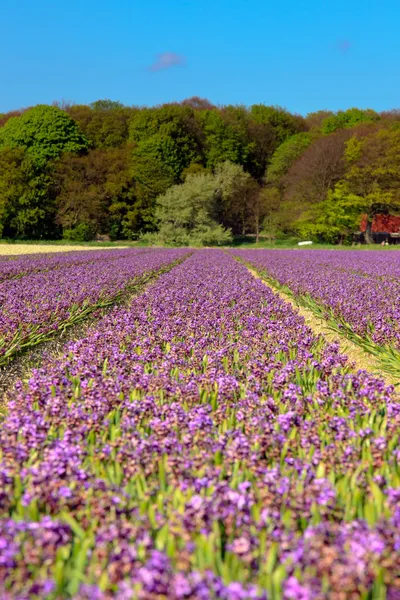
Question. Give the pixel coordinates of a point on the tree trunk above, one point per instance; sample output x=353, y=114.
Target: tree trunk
x=243, y=216
x=243, y=219
x=257, y=228
x=368, y=232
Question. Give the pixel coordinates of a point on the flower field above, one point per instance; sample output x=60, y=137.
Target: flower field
x=15, y=267
x=45, y=299
x=358, y=292
x=201, y=442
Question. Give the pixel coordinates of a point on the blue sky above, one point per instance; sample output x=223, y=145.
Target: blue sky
x=304, y=55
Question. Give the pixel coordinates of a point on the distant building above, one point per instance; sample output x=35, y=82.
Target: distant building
x=385, y=228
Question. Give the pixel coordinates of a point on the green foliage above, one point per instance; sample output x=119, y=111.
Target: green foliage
x=285, y=155
x=334, y=219
x=151, y=174
x=379, y=201
x=194, y=169
x=283, y=122
x=4, y=117
x=84, y=232
x=96, y=189
x=104, y=123
x=374, y=174
x=340, y=214
x=222, y=140
x=213, y=234
x=237, y=197
x=190, y=203
x=353, y=150
x=106, y=105
x=186, y=213
x=12, y=182
x=165, y=145
x=345, y=119
x=375, y=161
x=104, y=165
x=171, y=132
x=314, y=119
x=44, y=132
x=269, y=127
x=27, y=211
x=232, y=181
x=270, y=198
x=311, y=176
x=173, y=119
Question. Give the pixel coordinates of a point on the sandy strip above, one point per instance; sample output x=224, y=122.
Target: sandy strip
x=17, y=249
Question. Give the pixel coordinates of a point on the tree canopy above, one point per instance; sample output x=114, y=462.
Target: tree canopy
x=44, y=132
x=285, y=156
x=187, y=213
x=27, y=209
x=345, y=119
x=109, y=169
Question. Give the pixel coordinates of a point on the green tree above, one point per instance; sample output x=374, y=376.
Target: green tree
x=258, y=138
x=40, y=134
x=187, y=213
x=153, y=176
x=285, y=155
x=353, y=149
x=345, y=119
x=106, y=105
x=334, y=219
x=373, y=173
x=237, y=195
x=270, y=203
x=4, y=117
x=261, y=146
x=165, y=143
x=104, y=123
x=26, y=207
x=95, y=190
x=172, y=130
x=283, y=122
x=315, y=119
x=44, y=132
x=12, y=182
x=268, y=128
x=223, y=139
x=369, y=186
x=194, y=169
x=312, y=175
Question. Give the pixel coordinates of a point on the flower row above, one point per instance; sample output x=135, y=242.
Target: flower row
x=357, y=291
x=16, y=267
x=38, y=305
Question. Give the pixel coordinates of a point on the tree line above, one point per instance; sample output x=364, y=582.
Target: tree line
x=192, y=172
